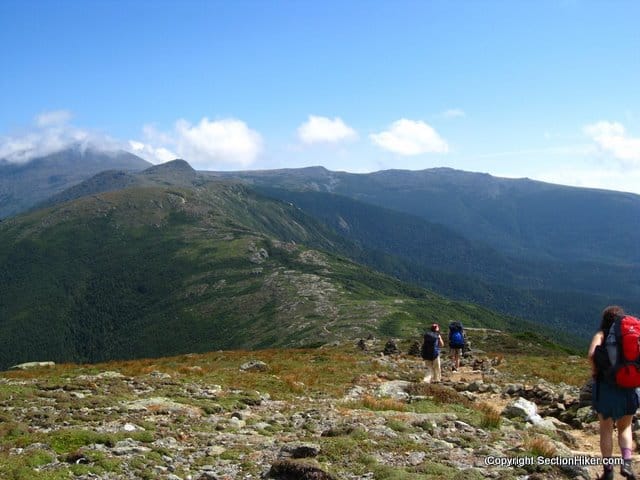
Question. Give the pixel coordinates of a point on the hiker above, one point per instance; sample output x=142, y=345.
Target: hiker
x=614, y=405
x=456, y=343
x=431, y=353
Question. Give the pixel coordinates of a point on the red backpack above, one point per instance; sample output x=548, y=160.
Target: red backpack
x=623, y=348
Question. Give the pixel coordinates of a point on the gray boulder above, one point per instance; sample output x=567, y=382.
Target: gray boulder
x=396, y=389
x=31, y=365
x=523, y=408
x=254, y=366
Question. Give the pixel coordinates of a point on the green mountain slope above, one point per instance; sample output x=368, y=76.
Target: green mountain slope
x=549, y=253
x=157, y=270
x=437, y=258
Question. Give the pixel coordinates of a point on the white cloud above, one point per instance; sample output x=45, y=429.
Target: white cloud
x=224, y=141
x=51, y=132
x=325, y=130
x=454, y=113
x=409, y=137
x=152, y=134
x=208, y=145
x=612, y=137
x=54, y=118
x=151, y=153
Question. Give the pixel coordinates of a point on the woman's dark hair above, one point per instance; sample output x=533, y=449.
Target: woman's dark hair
x=609, y=315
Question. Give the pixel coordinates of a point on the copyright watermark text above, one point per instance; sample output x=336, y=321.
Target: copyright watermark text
x=579, y=460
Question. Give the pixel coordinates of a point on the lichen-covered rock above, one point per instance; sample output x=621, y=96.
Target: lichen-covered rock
x=396, y=389
x=161, y=405
x=302, y=450
x=254, y=366
x=292, y=470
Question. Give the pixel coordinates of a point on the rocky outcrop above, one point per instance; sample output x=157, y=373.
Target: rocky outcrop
x=254, y=366
x=32, y=365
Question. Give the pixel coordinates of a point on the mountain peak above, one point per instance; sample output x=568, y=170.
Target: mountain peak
x=177, y=165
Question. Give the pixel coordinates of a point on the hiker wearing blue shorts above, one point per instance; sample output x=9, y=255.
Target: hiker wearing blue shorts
x=614, y=405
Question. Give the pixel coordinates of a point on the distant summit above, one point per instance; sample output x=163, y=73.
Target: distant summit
x=175, y=172
x=177, y=165
x=23, y=185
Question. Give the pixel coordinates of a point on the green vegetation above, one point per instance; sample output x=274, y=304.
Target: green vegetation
x=553, y=292
x=364, y=436
x=575, y=369
x=146, y=272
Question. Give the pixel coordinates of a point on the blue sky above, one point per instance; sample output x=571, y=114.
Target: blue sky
x=541, y=89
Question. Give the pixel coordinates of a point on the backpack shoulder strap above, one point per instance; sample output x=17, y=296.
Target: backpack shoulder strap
x=617, y=327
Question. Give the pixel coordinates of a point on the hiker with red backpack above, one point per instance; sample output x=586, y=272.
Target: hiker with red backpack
x=430, y=352
x=614, y=354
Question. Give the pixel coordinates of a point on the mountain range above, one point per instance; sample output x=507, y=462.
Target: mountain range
x=550, y=253
x=180, y=263
x=518, y=217
x=136, y=261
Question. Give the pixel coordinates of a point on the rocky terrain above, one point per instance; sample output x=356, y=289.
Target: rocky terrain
x=349, y=411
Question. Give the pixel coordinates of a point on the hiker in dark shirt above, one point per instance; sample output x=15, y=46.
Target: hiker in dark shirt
x=614, y=405
x=431, y=353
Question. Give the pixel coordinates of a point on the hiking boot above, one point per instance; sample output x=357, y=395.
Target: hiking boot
x=626, y=470
x=606, y=475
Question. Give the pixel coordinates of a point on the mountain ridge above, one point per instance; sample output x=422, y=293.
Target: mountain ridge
x=176, y=172
x=513, y=215
x=172, y=199
x=217, y=265
x=586, y=245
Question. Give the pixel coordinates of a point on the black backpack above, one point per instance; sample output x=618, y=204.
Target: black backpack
x=430, y=348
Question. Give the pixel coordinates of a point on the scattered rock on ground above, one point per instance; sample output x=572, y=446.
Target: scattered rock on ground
x=391, y=347
x=254, y=366
x=292, y=470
